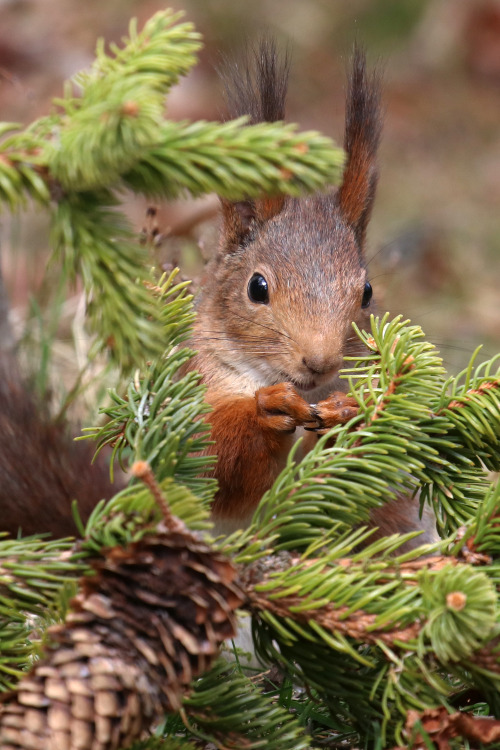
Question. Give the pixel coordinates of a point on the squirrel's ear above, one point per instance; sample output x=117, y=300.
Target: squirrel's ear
x=241, y=216
x=237, y=219
x=362, y=136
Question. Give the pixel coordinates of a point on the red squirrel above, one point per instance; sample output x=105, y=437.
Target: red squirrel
x=273, y=326
x=274, y=319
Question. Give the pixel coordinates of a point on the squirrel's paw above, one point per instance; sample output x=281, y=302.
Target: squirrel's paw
x=334, y=410
x=282, y=409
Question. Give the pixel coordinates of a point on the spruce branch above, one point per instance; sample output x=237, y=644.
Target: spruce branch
x=129, y=515
x=105, y=138
x=22, y=168
x=229, y=709
x=473, y=410
x=362, y=617
x=119, y=112
x=401, y=442
x=162, y=52
x=235, y=160
x=462, y=611
x=380, y=453
x=375, y=600
x=111, y=135
x=142, y=470
x=91, y=238
x=31, y=570
x=376, y=633
x=483, y=536
x=32, y=573
x=159, y=420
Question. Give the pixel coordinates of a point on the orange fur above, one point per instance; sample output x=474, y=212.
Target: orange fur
x=362, y=135
x=269, y=207
x=263, y=363
x=253, y=436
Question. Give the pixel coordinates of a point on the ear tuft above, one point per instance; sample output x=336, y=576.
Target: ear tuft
x=362, y=136
x=256, y=88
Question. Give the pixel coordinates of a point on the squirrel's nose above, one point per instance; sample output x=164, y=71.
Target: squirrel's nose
x=319, y=364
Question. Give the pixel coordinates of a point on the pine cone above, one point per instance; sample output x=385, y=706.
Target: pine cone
x=150, y=619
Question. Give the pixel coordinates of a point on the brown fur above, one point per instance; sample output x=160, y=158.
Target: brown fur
x=256, y=88
x=42, y=470
x=401, y=516
x=268, y=365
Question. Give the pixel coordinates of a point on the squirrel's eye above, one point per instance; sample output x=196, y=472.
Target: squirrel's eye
x=367, y=295
x=257, y=289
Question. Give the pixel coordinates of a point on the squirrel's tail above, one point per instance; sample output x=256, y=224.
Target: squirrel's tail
x=42, y=470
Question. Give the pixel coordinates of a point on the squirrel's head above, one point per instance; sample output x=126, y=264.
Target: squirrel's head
x=289, y=277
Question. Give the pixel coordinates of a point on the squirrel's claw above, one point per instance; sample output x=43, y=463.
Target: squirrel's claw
x=334, y=410
x=316, y=423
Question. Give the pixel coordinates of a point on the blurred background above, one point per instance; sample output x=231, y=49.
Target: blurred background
x=434, y=240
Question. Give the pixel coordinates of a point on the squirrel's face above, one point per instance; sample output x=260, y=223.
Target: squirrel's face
x=289, y=278
x=281, y=304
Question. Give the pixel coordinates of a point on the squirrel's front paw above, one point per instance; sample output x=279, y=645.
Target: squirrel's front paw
x=336, y=409
x=282, y=409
